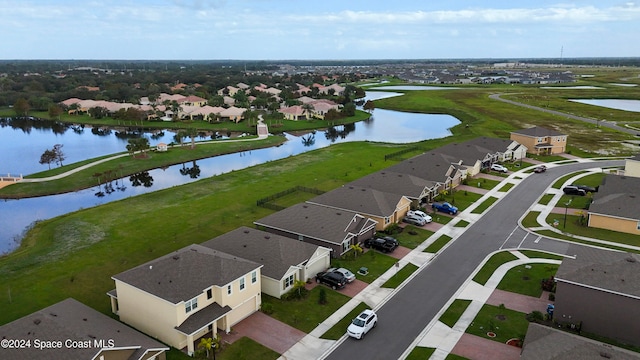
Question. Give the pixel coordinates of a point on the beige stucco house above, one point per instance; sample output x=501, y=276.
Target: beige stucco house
x=184, y=295
x=615, y=206
x=284, y=259
x=541, y=141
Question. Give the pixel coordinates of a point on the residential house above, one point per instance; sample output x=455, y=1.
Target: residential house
x=321, y=226
x=182, y=296
x=418, y=190
x=294, y=113
x=541, y=141
x=546, y=343
x=192, y=100
x=161, y=147
x=480, y=153
x=337, y=89
x=433, y=166
x=284, y=259
x=233, y=113
x=383, y=207
x=615, y=206
x=598, y=292
x=83, y=334
x=632, y=166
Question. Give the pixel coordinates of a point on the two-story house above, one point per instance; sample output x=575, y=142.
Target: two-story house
x=541, y=141
x=182, y=296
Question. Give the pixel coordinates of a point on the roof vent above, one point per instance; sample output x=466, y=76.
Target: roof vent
x=305, y=206
x=150, y=267
x=91, y=336
x=605, y=355
x=84, y=319
x=53, y=314
x=631, y=259
x=176, y=257
x=350, y=187
x=246, y=231
x=267, y=237
x=36, y=321
x=245, y=245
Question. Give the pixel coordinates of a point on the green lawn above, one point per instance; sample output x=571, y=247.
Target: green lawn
x=482, y=183
x=305, y=314
x=491, y=265
x=506, y=187
x=375, y=261
x=485, y=205
x=544, y=200
x=530, y=220
x=340, y=328
x=438, y=244
x=573, y=227
x=451, y=316
x=461, y=223
x=558, y=184
x=455, y=357
x=539, y=254
x=505, y=323
x=420, y=353
x=553, y=234
x=400, y=276
x=411, y=241
x=245, y=349
x=525, y=279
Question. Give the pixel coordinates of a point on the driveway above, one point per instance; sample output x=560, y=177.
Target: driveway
x=477, y=348
x=266, y=331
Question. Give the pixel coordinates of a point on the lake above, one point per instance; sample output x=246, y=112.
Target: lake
x=17, y=215
x=618, y=104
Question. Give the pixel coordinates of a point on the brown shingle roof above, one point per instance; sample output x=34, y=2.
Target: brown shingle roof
x=538, y=131
x=317, y=222
x=395, y=182
x=277, y=253
x=70, y=319
x=617, y=196
x=546, y=343
x=361, y=200
x=603, y=269
x=183, y=274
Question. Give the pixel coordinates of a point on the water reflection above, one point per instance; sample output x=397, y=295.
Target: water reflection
x=111, y=185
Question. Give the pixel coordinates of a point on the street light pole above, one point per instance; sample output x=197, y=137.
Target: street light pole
x=566, y=207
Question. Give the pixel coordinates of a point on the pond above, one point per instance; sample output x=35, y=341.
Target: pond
x=17, y=215
x=412, y=87
x=618, y=104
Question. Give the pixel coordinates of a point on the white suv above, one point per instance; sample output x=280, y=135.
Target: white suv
x=499, y=168
x=361, y=325
x=427, y=218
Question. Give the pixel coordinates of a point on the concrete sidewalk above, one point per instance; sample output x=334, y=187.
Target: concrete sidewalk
x=436, y=334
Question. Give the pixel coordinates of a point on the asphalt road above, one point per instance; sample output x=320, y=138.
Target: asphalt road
x=404, y=316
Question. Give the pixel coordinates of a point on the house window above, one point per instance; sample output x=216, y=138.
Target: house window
x=387, y=219
x=229, y=289
x=209, y=294
x=638, y=226
x=254, y=277
x=345, y=246
x=300, y=237
x=242, y=283
x=288, y=281
x=191, y=305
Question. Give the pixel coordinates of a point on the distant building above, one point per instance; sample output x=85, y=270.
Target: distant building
x=541, y=141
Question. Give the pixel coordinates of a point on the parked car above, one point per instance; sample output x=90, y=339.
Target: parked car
x=414, y=220
x=332, y=279
x=348, y=275
x=499, y=168
x=573, y=190
x=540, y=169
x=384, y=244
x=421, y=214
x=362, y=324
x=586, y=188
x=445, y=208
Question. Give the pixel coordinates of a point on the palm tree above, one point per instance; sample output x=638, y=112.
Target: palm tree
x=192, y=133
x=207, y=344
x=308, y=109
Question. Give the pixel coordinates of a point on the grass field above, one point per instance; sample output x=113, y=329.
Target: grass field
x=492, y=264
x=525, y=279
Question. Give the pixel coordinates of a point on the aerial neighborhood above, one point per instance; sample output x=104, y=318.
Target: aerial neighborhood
x=195, y=300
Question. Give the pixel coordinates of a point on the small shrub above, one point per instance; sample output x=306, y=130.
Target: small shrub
x=552, y=296
x=501, y=307
x=413, y=232
x=267, y=308
x=535, y=316
x=548, y=284
x=322, y=296
x=393, y=229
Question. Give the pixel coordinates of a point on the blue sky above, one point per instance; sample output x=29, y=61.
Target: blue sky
x=328, y=29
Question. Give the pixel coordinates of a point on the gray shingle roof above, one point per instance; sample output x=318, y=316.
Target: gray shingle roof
x=476, y=149
x=546, y=343
x=604, y=269
x=277, y=253
x=185, y=273
x=538, y=131
x=359, y=199
x=431, y=166
x=202, y=318
x=318, y=222
x=617, y=196
x=394, y=182
x=70, y=319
